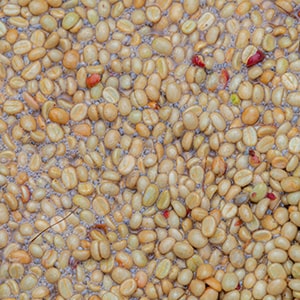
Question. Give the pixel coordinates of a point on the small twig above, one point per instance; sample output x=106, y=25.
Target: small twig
x=50, y=226
x=294, y=14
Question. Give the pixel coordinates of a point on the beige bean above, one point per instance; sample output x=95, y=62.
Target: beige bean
x=4, y=238
x=110, y=94
x=128, y=287
x=125, y=26
x=209, y=226
x=245, y=90
x=100, y=250
x=48, y=23
x=22, y=47
x=65, y=287
x=11, y=201
x=38, y=7
x=290, y=184
x=243, y=8
x=265, y=144
x=166, y=245
x=139, y=258
x=249, y=136
x=218, y=121
x=205, y=21
x=276, y=271
x=126, y=165
x=70, y=20
x=229, y=281
x=183, y=250
x=188, y=27
x=117, y=10
x=243, y=177
x=229, y=211
x=147, y=236
x=212, y=35
x=28, y=282
x=190, y=120
x=13, y=107
x=173, y=92
x=289, y=81
x=245, y=213
x=32, y=71
x=291, y=98
x=294, y=216
x=277, y=256
x=37, y=53
x=293, y=253
x=233, y=135
x=49, y=258
x=242, y=39
x=295, y=270
x=163, y=268
x=40, y=292
x=54, y=132
x=17, y=64
x=294, y=284
x=120, y=275
x=196, y=238
x=293, y=145
x=102, y=31
x=3, y=29
x=260, y=289
x=162, y=46
x=269, y=42
x=16, y=270
x=20, y=256
x=190, y=6
x=101, y=206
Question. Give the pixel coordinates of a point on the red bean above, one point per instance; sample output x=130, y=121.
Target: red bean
x=196, y=61
x=93, y=80
x=255, y=58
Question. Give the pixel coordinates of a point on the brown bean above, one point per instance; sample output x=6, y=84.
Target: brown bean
x=71, y=59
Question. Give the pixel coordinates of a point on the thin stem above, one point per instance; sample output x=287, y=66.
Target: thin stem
x=50, y=226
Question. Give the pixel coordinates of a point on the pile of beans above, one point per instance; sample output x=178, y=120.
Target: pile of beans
x=149, y=149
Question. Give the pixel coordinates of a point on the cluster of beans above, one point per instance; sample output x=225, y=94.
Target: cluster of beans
x=149, y=149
